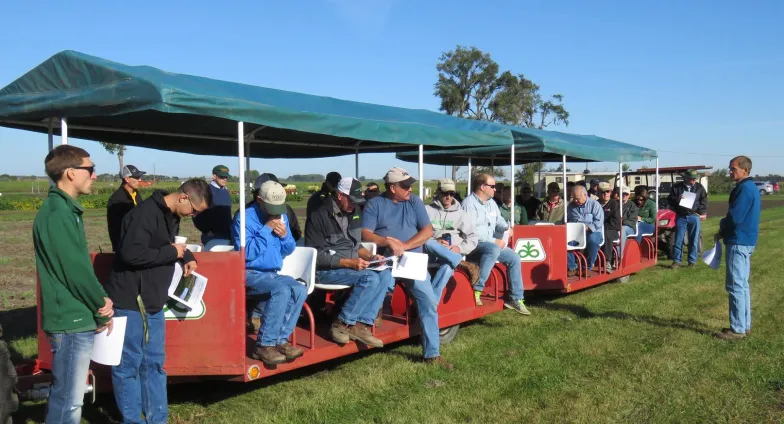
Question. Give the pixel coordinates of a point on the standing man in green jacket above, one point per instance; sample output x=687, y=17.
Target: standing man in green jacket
x=74, y=305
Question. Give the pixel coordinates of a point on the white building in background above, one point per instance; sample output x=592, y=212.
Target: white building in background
x=646, y=177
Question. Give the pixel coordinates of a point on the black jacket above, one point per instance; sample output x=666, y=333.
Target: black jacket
x=145, y=262
x=530, y=205
x=116, y=208
x=700, y=206
x=630, y=210
x=323, y=232
x=612, y=217
x=316, y=200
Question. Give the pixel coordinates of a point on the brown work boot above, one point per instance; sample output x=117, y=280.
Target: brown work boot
x=268, y=355
x=339, y=332
x=361, y=333
x=691, y=265
x=289, y=351
x=675, y=265
x=441, y=362
x=728, y=334
x=571, y=273
x=471, y=269
x=254, y=325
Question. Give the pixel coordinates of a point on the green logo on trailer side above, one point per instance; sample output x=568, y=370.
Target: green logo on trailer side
x=174, y=310
x=530, y=250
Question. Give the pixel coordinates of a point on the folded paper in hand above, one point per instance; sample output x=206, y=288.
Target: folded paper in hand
x=410, y=266
x=687, y=201
x=107, y=348
x=713, y=256
x=187, y=290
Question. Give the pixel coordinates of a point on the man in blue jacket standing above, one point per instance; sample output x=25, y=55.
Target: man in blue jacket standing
x=739, y=230
x=268, y=240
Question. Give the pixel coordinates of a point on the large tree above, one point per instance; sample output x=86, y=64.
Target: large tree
x=115, y=149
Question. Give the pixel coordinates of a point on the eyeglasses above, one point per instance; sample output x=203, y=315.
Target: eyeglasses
x=194, y=211
x=490, y=185
x=449, y=193
x=90, y=169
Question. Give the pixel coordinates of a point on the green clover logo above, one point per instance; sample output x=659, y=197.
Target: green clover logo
x=528, y=251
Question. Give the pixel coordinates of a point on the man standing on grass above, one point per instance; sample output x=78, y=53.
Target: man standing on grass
x=123, y=201
x=139, y=285
x=215, y=222
x=687, y=220
x=739, y=229
x=74, y=305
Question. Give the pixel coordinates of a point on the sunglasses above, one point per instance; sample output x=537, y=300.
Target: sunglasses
x=372, y=190
x=404, y=187
x=490, y=185
x=90, y=169
x=449, y=193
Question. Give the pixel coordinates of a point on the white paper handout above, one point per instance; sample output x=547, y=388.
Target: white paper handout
x=107, y=348
x=713, y=256
x=187, y=290
x=687, y=201
x=411, y=266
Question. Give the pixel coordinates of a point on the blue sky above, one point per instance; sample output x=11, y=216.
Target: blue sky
x=697, y=80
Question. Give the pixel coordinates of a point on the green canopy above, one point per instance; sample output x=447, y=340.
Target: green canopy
x=534, y=145
x=147, y=107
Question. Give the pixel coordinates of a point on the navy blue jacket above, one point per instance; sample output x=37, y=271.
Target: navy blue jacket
x=741, y=225
x=215, y=222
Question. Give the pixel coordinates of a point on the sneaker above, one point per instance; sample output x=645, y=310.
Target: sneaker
x=339, y=332
x=289, y=351
x=518, y=306
x=441, y=362
x=691, y=265
x=675, y=265
x=571, y=273
x=478, y=298
x=268, y=355
x=727, y=334
x=361, y=333
x=608, y=267
x=471, y=269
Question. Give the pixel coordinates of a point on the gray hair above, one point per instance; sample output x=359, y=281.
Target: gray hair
x=580, y=189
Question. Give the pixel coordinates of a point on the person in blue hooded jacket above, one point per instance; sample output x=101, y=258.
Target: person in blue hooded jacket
x=268, y=241
x=739, y=229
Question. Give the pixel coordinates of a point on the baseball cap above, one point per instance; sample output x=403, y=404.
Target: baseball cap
x=351, y=188
x=273, y=195
x=691, y=174
x=399, y=176
x=625, y=190
x=221, y=171
x=594, y=182
x=333, y=179
x=130, y=171
x=263, y=178
x=553, y=187
x=445, y=185
x=604, y=186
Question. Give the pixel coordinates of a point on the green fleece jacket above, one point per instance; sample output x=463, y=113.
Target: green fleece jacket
x=70, y=292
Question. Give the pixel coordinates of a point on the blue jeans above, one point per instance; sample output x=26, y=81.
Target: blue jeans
x=627, y=231
x=737, y=284
x=281, y=311
x=686, y=224
x=448, y=259
x=644, y=229
x=367, y=295
x=487, y=253
x=426, y=301
x=70, y=365
x=139, y=381
x=592, y=241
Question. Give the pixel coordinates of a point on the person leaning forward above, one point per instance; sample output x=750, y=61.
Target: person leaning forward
x=334, y=229
x=138, y=285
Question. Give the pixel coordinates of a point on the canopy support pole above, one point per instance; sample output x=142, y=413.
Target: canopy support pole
x=622, y=236
x=64, y=130
x=656, y=221
x=356, y=164
x=468, y=180
x=248, y=182
x=539, y=183
x=514, y=203
x=492, y=165
x=241, y=173
x=563, y=169
x=422, y=172
x=51, y=134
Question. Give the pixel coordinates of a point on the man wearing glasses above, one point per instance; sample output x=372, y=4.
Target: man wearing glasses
x=215, y=222
x=371, y=191
x=123, y=201
x=139, y=284
x=396, y=221
x=490, y=226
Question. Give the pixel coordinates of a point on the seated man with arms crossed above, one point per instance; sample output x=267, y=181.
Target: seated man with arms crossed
x=397, y=221
x=489, y=224
x=588, y=212
x=334, y=229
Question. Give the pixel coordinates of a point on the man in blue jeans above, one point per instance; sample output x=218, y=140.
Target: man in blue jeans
x=588, y=212
x=139, y=285
x=490, y=226
x=334, y=229
x=687, y=218
x=74, y=305
x=268, y=241
x=739, y=229
x=396, y=221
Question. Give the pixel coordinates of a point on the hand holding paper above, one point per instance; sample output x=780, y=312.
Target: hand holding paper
x=687, y=199
x=712, y=257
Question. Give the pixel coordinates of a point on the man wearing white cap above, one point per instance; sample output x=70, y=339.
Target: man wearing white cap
x=397, y=222
x=334, y=229
x=268, y=242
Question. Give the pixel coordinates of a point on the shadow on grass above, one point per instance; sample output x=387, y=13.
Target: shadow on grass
x=18, y=324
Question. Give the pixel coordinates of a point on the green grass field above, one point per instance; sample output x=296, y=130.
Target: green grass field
x=635, y=352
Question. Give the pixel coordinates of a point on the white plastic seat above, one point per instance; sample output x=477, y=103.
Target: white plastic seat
x=196, y=247
x=545, y=223
x=575, y=231
x=301, y=264
x=222, y=248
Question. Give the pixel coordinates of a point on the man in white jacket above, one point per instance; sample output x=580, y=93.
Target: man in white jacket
x=490, y=226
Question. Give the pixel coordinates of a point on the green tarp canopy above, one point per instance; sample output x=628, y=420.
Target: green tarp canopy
x=534, y=145
x=147, y=107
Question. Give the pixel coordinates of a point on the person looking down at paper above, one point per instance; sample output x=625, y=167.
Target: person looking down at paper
x=268, y=241
x=689, y=200
x=139, y=287
x=490, y=226
x=396, y=221
x=334, y=229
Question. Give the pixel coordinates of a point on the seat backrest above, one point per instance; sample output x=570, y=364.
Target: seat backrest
x=195, y=247
x=301, y=264
x=222, y=248
x=544, y=223
x=370, y=246
x=575, y=231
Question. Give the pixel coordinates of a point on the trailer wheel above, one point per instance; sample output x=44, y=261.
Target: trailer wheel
x=447, y=335
x=624, y=279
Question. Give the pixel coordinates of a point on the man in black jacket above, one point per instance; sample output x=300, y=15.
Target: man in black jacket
x=138, y=285
x=687, y=219
x=327, y=188
x=334, y=229
x=612, y=221
x=122, y=201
